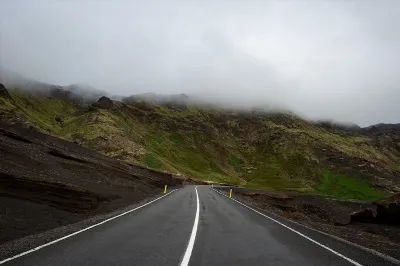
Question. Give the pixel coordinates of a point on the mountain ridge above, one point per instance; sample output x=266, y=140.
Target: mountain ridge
x=250, y=148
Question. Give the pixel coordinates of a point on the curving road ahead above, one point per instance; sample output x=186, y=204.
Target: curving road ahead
x=197, y=226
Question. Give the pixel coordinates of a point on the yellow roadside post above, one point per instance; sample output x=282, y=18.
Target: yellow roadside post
x=165, y=189
x=230, y=193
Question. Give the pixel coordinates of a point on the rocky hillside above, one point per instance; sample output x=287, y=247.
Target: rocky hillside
x=252, y=148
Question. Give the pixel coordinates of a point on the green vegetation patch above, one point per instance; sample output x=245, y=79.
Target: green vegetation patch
x=269, y=173
x=158, y=138
x=6, y=104
x=153, y=161
x=176, y=138
x=236, y=163
x=46, y=112
x=346, y=187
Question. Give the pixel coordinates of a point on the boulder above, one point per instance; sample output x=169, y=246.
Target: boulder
x=104, y=103
x=388, y=214
x=364, y=216
x=3, y=92
x=388, y=210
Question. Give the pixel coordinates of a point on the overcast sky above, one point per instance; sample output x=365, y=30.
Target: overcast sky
x=321, y=59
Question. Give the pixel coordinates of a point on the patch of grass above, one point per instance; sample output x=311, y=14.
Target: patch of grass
x=233, y=123
x=176, y=138
x=270, y=174
x=158, y=138
x=345, y=187
x=6, y=104
x=153, y=161
x=189, y=158
x=42, y=110
x=236, y=163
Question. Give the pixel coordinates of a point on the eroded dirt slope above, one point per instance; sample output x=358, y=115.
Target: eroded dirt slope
x=46, y=182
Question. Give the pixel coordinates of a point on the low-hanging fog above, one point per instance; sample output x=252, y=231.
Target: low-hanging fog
x=322, y=59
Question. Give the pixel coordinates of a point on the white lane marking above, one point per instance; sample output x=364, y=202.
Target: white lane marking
x=189, y=249
x=297, y=232
x=80, y=231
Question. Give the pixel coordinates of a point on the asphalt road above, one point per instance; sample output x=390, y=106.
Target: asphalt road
x=166, y=232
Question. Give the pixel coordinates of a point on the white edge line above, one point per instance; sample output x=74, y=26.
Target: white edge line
x=189, y=249
x=82, y=230
x=297, y=232
x=372, y=251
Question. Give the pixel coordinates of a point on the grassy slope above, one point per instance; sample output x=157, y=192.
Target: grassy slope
x=347, y=187
x=271, y=152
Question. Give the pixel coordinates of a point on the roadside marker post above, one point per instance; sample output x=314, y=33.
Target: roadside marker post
x=165, y=189
x=230, y=193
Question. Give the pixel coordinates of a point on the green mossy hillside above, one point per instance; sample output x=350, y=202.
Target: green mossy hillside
x=276, y=151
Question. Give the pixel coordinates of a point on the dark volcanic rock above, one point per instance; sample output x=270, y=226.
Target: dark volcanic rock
x=65, y=95
x=388, y=210
x=3, y=92
x=387, y=129
x=174, y=101
x=387, y=133
x=364, y=216
x=388, y=214
x=104, y=103
x=384, y=136
x=334, y=126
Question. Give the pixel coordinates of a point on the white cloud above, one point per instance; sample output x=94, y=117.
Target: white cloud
x=323, y=59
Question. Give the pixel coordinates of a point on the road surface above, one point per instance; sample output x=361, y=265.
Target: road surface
x=203, y=227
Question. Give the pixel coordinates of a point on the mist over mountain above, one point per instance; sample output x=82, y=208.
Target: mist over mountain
x=14, y=80
x=322, y=60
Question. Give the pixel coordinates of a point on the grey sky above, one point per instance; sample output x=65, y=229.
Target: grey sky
x=322, y=59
